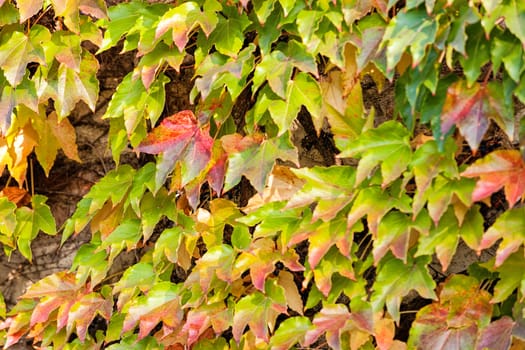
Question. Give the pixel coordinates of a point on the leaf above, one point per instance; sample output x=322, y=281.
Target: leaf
x=28, y=8
x=511, y=276
x=502, y=168
x=256, y=311
x=331, y=187
x=375, y=203
x=302, y=90
x=477, y=53
x=218, y=261
x=161, y=304
x=396, y=279
x=73, y=87
x=254, y=157
x=378, y=146
x=181, y=20
x=508, y=226
x=15, y=53
x=414, y=29
x=514, y=13
x=497, y=335
x=394, y=233
x=84, y=310
x=293, y=298
x=180, y=138
x=290, y=332
x=228, y=35
x=55, y=284
x=454, y=320
x=471, y=108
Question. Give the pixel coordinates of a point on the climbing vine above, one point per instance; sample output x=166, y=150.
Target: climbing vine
x=320, y=256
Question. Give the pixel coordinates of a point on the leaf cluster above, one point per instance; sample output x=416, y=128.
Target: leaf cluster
x=320, y=254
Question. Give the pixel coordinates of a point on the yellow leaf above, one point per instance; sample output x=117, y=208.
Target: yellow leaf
x=65, y=134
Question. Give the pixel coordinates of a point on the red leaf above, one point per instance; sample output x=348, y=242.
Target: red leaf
x=85, y=310
x=504, y=168
x=181, y=138
x=497, y=335
x=330, y=320
x=470, y=109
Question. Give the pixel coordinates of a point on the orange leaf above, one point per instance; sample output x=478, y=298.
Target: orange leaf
x=504, y=168
x=19, y=196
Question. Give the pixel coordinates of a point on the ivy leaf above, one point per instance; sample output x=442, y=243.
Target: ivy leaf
x=375, y=203
x=84, y=310
x=396, y=279
x=514, y=13
x=290, y=332
x=414, y=29
x=471, y=108
x=331, y=187
x=377, y=146
x=256, y=311
x=180, y=138
x=454, y=320
x=218, y=261
x=28, y=8
x=182, y=19
x=509, y=226
x=16, y=51
x=511, y=276
x=394, y=232
x=502, y=168
x=303, y=90
x=161, y=304
x=477, y=53
x=73, y=86
x=228, y=35
x=254, y=157
x=497, y=335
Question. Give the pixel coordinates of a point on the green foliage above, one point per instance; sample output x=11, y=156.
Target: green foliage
x=320, y=254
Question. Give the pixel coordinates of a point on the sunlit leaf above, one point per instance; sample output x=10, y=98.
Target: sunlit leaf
x=502, y=168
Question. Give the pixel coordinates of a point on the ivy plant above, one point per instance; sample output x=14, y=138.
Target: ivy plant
x=320, y=256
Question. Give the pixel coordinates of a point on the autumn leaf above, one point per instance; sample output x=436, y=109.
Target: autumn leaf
x=179, y=138
x=18, y=196
x=502, y=168
x=454, y=320
x=471, y=108
x=254, y=157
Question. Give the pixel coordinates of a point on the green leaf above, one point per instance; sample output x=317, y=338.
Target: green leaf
x=477, y=53
x=509, y=50
x=8, y=14
x=514, y=13
x=414, y=29
x=396, y=279
x=275, y=68
x=256, y=160
x=140, y=275
x=7, y=220
x=290, y=332
x=511, y=276
x=126, y=235
x=228, y=35
x=73, y=86
x=303, y=90
x=114, y=186
x=375, y=203
x=387, y=144
x=256, y=311
x=16, y=51
x=88, y=262
x=331, y=187
x=511, y=227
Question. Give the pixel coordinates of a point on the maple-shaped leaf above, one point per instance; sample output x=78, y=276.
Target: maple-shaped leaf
x=16, y=51
x=216, y=262
x=471, y=108
x=387, y=145
x=375, y=203
x=182, y=19
x=84, y=310
x=333, y=321
x=161, y=304
x=502, y=168
x=395, y=279
x=257, y=311
x=331, y=187
x=444, y=237
x=72, y=86
x=454, y=320
x=511, y=275
x=179, y=138
x=254, y=156
x=509, y=226
x=291, y=331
